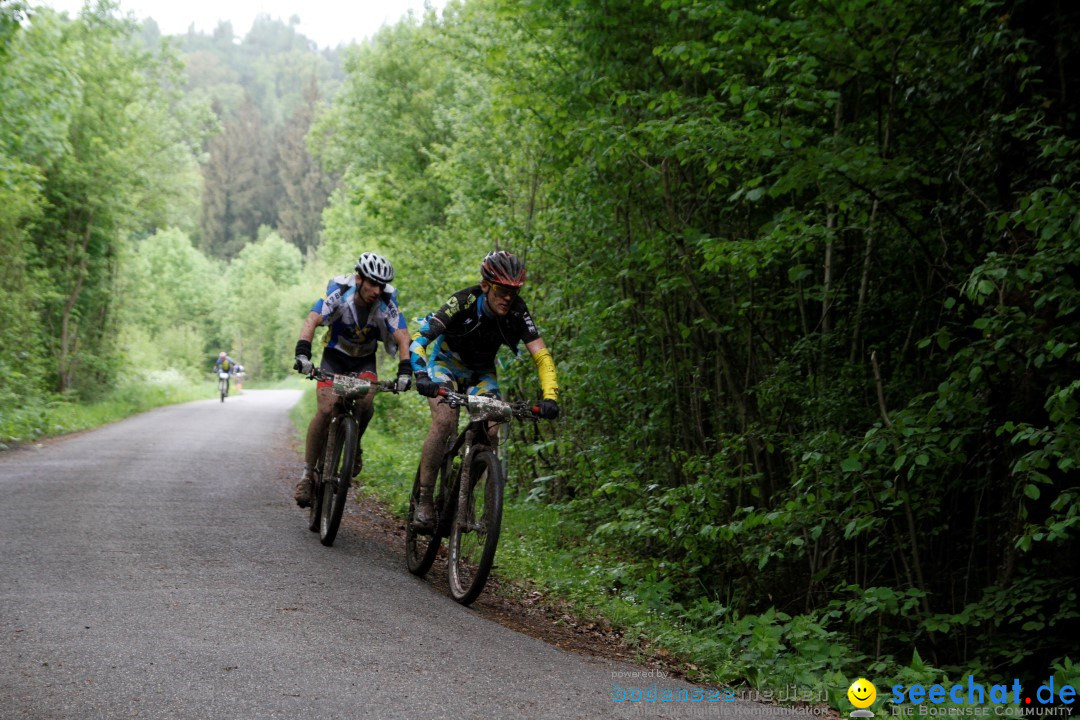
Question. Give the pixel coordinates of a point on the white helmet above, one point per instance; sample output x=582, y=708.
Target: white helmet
x=375, y=267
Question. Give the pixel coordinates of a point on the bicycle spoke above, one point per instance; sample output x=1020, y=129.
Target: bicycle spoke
x=336, y=480
x=475, y=534
x=421, y=547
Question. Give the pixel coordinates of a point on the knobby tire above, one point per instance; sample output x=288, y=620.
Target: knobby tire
x=337, y=478
x=421, y=549
x=315, y=508
x=472, y=546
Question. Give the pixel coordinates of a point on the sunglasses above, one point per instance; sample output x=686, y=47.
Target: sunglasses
x=504, y=291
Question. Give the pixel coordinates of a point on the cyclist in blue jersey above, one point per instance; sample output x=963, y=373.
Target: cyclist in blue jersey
x=359, y=311
x=456, y=347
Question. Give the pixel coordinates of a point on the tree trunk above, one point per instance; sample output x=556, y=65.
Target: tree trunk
x=68, y=333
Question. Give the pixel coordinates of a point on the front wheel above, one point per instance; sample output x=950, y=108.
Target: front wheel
x=223, y=389
x=336, y=479
x=475, y=533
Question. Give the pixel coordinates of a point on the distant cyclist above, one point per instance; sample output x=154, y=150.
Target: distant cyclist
x=226, y=364
x=360, y=311
x=456, y=347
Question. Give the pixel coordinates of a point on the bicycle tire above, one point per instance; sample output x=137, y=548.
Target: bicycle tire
x=221, y=389
x=337, y=479
x=421, y=549
x=475, y=533
x=315, y=508
x=420, y=553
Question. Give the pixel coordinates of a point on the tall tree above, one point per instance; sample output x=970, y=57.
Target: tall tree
x=239, y=183
x=125, y=141
x=305, y=187
x=386, y=135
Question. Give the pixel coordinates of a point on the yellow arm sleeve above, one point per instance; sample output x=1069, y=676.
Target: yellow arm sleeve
x=545, y=366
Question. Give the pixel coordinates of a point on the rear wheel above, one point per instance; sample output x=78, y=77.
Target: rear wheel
x=336, y=479
x=421, y=548
x=475, y=533
x=315, y=508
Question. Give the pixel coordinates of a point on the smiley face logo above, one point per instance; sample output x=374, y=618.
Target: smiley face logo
x=862, y=693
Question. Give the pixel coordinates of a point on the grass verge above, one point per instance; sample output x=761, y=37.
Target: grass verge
x=58, y=415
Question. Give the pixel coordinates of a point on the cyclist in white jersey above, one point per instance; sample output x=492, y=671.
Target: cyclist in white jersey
x=359, y=311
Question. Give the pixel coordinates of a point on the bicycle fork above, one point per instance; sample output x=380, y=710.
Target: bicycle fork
x=339, y=476
x=464, y=482
x=465, y=519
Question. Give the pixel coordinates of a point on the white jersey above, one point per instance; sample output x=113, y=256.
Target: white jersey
x=354, y=330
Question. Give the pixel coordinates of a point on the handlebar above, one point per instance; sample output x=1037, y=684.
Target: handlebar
x=380, y=386
x=520, y=410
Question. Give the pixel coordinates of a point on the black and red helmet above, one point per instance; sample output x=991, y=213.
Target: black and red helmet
x=503, y=268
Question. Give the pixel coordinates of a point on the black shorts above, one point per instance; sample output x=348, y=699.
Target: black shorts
x=338, y=362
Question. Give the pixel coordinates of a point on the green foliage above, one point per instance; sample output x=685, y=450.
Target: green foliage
x=172, y=295
x=305, y=187
x=264, y=325
x=387, y=135
x=95, y=144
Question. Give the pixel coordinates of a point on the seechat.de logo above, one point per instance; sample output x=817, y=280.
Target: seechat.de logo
x=1008, y=699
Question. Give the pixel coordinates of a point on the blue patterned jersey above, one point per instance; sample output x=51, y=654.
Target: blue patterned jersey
x=355, y=330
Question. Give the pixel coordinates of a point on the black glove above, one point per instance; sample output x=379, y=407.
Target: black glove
x=549, y=409
x=426, y=386
x=404, y=375
x=303, y=357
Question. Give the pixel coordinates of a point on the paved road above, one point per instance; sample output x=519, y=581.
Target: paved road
x=157, y=568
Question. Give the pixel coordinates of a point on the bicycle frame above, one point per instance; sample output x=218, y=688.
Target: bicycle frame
x=472, y=438
x=348, y=389
x=338, y=445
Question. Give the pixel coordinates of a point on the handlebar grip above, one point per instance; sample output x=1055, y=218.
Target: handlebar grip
x=535, y=410
x=443, y=392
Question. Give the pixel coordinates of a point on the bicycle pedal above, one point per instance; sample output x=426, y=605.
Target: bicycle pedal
x=425, y=529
